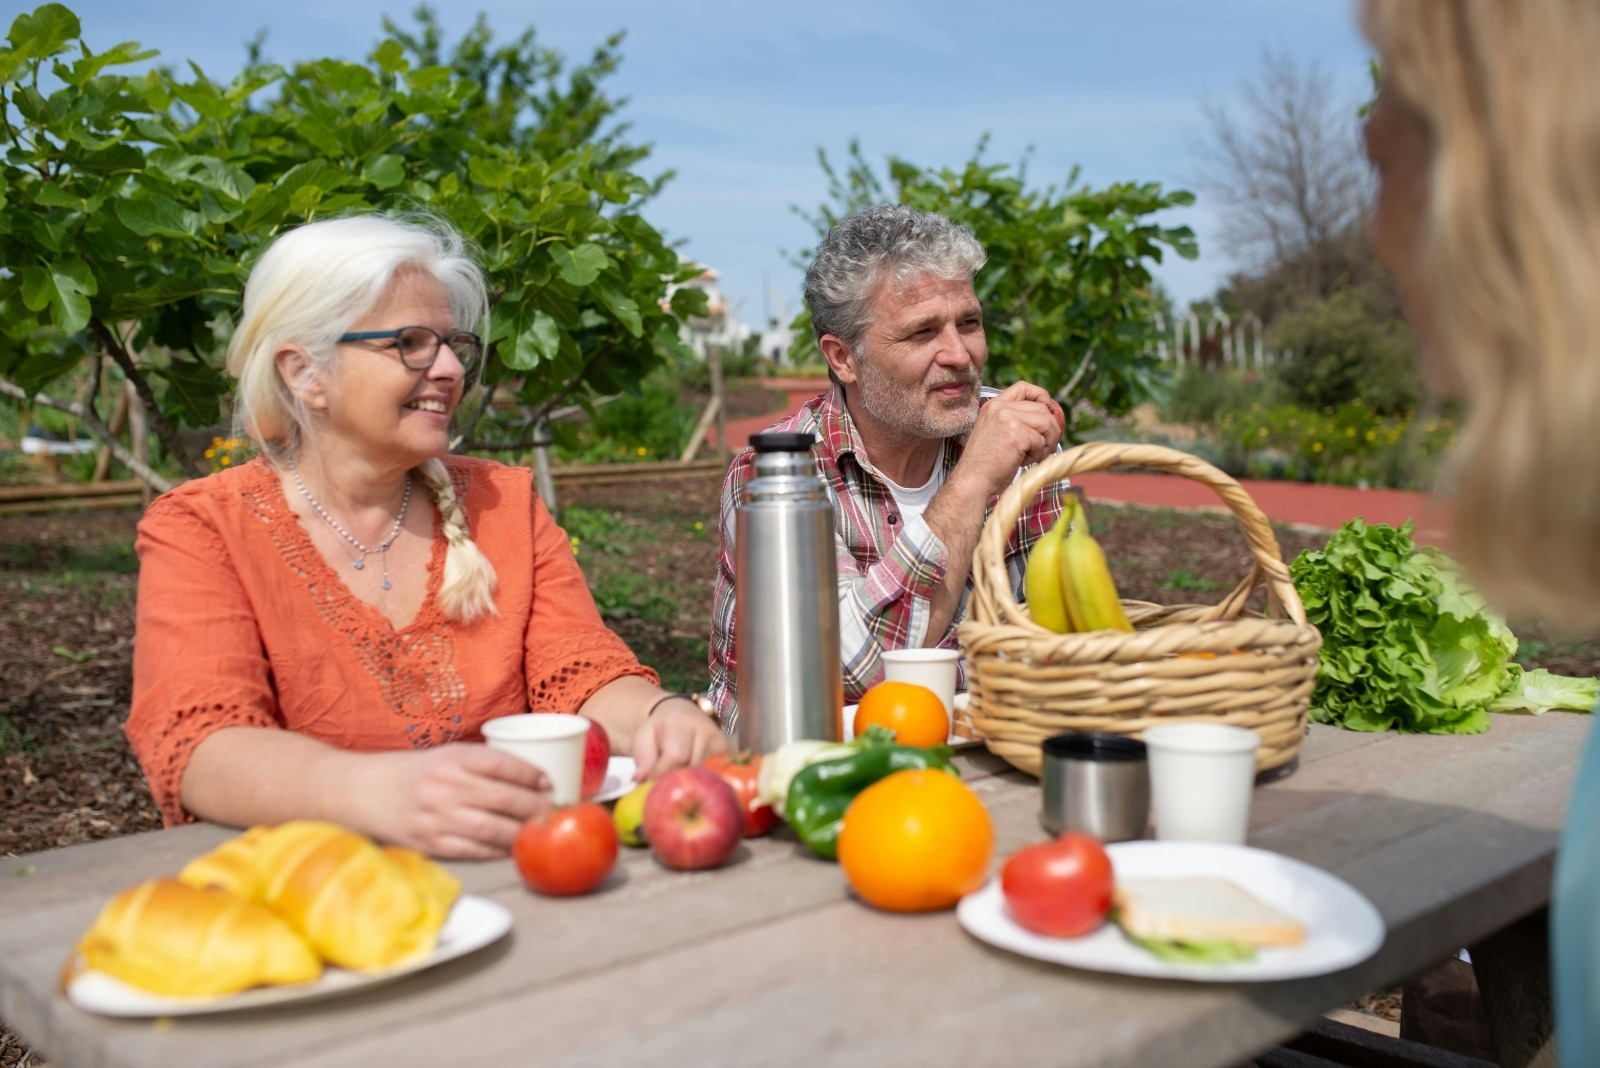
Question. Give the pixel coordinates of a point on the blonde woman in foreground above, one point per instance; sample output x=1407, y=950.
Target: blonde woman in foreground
x=1486, y=140
x=323, y=631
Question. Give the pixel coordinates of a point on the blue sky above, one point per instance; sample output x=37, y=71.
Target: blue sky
x=737, y=95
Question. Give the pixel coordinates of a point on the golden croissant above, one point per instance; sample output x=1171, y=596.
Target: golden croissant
x=359, y=906
x=173, y=939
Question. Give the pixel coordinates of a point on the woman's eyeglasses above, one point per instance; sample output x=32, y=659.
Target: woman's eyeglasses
x=418, y=346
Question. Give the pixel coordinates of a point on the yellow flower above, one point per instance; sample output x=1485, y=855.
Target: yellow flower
x=226, y=460
x=1316, y=446
x=1263, y=432
x=643, y=451
x=1350, y=432
x=699, y=525
x=1372, y=435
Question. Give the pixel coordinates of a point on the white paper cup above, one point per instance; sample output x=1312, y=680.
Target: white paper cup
x=551, y=741
x=933, y=668
x=1201, y=775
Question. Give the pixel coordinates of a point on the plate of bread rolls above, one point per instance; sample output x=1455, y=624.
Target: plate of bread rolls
x=289, y=913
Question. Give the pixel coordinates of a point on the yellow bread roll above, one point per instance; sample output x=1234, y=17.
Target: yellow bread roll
x=438, y=887
x=231, y=866
x=353, y=903
x=169, y=938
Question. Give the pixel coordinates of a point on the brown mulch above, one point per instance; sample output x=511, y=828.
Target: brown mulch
x=67, y=586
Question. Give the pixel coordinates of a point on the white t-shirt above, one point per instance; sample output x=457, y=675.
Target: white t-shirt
x=913, y=502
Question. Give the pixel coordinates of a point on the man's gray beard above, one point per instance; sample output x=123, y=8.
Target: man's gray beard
x=904, y=413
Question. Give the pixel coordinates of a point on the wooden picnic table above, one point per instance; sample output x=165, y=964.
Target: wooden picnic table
x=771, y=961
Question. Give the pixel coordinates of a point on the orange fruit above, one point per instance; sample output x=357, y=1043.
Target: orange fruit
x=914, y=713
x=916, y=841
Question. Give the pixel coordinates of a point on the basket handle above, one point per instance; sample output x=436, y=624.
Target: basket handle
x=992, y=597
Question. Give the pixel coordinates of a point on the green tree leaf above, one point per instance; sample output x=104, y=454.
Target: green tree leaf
x=156, y=215
x=538, y=344
x=385, y=172
x=582, y=265
x=43, y=33
x=64, y=287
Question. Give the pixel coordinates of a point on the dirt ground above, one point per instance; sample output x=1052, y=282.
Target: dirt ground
x=67, y=586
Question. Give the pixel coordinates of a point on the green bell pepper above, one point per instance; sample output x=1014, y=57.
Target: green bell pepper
x=819, y=793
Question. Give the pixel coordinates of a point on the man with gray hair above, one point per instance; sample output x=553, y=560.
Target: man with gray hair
x=914, y=452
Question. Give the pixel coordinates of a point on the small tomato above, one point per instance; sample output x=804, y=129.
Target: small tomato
x=1060, y=888
x=742, y=772
x=568, y=850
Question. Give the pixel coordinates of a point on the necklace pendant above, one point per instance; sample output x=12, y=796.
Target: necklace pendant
x=386, y=584
x=358, y=564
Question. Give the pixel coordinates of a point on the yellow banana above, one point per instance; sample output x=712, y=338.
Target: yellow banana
x=1042, y=580
x=1086, y=584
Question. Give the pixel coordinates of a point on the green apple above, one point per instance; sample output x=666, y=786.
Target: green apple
x=629, y=814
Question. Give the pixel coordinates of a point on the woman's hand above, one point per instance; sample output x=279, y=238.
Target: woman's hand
x=462, y=801
x=678, y=734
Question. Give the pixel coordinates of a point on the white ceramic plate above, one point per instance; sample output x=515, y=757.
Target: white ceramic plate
x=473, y=923
x=1342, y=926
x=619, y=779
x=955, y=739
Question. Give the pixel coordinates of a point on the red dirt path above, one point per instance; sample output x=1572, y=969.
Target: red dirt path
x=1298, y=503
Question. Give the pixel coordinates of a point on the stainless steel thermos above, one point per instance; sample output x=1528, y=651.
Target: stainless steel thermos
x=786, y=600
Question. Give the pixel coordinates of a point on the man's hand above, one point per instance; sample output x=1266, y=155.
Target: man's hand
x=1021, y=425
x=1018, y=426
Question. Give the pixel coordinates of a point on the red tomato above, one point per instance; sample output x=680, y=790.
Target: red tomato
x=567, y=850
x=740, y=771
x=1060, y=888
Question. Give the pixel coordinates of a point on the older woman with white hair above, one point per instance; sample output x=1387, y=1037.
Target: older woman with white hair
x=323, y=631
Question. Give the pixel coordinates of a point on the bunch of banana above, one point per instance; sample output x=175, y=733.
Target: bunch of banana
x=1067, y=582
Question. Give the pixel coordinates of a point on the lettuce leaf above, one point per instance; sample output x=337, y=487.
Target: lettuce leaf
x=1407, y=644
x=1218, y=952
x=1539, y=691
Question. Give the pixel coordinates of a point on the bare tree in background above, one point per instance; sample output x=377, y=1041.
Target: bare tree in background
x=1287, y=174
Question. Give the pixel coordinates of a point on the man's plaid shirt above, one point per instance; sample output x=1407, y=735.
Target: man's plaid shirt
x=889, y=565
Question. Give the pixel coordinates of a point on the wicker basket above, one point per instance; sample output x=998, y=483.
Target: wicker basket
x=1242, y=668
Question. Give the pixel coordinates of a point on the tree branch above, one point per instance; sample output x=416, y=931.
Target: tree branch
x=95, y=427
x=158, y=422
x=566, y=391
x=1065, y=392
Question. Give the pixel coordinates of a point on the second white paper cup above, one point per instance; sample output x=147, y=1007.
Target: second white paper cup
x=1201, y=775
x=551, y=741
x=933, y=668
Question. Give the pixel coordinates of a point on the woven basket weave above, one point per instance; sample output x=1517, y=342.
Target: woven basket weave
x=1186, y=663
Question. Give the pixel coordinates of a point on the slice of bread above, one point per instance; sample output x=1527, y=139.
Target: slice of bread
x=1202, y=910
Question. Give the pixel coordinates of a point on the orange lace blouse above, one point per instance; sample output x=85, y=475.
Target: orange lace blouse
x=241, y=622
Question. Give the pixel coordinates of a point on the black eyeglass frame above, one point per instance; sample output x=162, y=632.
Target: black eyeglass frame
x=440, y=341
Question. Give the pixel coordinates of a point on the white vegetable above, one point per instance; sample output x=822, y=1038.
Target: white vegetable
x=779, y=767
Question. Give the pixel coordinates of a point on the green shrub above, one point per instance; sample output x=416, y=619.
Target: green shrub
x=1202, y=395
x=647, y=423
x=1351, y=444
x=1347, y=347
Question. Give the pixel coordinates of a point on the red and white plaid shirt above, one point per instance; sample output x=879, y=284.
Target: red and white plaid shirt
x=889, y=568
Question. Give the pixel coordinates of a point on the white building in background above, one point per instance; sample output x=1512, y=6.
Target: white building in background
x=774, y=343
x=718, y=327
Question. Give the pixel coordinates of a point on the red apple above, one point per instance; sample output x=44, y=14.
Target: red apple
x=692, y=819
x=596, y=755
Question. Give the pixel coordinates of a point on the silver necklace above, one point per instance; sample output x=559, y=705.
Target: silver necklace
x=382, y=550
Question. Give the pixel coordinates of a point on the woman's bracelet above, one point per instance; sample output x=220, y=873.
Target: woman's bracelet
x=699, y=700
